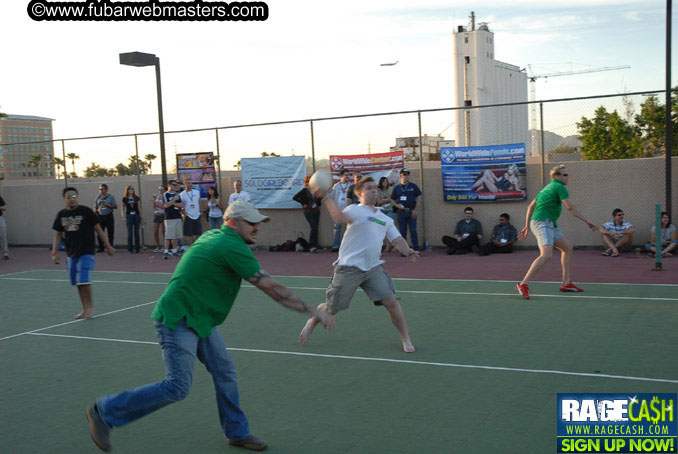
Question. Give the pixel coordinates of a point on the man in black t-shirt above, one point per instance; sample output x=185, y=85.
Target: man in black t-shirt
x=76, y=224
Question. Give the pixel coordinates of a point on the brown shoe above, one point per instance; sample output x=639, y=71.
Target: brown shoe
x=250, y=442
x=97, y=428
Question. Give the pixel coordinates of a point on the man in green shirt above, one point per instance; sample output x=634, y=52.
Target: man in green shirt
x=542, y=217
x=196, y=301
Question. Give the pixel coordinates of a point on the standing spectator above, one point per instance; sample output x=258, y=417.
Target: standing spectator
x=351, y=196
x=133, y=217
x=239, y=195
x=310, y=205
x=386, y=207
x=158, y=217
x=340, y=196
x=173, y=228
x=215, y=207
x=467, y=235
x=3, y=231
x=192, y=208
x=406, y=198
x=104, y=205
x=502, y=239
x=669, y=237
x=617, y=234
x=77, y=224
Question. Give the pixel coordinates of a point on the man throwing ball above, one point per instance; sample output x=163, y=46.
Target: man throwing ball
x=197, y=300
x=542, y=217
x=359, y=263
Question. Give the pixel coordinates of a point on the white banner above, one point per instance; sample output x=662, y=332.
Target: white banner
x=272, y=182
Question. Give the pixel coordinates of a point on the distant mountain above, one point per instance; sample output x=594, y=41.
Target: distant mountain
x=552, y=141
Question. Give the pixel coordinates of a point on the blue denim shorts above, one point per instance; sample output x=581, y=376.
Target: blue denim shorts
x=545, y=232
x=80, y=269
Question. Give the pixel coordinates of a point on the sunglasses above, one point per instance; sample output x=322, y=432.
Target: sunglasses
x=71, y=197
x=252, y=224
x=564, y=174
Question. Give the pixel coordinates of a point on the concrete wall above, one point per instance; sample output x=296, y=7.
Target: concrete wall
x=596, y=188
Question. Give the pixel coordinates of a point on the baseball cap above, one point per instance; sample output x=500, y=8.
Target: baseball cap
x=404, y=170
x=246, y=211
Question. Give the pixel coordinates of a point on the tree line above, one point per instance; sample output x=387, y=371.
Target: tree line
x=609, y=135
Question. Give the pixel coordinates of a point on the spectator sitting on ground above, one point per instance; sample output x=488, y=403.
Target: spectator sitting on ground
x=617, y=234
x=502, y=239
x=467, y=235
x=669, y=237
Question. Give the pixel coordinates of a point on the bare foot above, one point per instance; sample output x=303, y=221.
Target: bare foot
x=408, y=347
x=306, y=331
x=83, y=314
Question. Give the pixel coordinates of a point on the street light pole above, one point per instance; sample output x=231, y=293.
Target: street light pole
x=161, y=124
x=142, y=59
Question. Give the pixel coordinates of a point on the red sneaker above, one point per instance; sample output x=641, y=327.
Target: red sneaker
x=570, y=288
x=523, y=290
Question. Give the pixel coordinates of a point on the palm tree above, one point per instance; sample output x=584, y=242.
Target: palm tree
x=59, y=163
x=35, y=162
x=73, y=157
x=150, y=158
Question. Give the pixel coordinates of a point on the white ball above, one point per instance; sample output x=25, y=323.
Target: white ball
x=320, y=181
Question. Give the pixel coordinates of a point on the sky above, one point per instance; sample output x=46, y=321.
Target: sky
x=310, y=59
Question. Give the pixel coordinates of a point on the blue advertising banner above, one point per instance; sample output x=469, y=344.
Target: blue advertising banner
x=634, y=422
x=494, y=173
x=272, y=182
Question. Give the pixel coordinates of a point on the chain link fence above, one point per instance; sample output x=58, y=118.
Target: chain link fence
x=586, y=133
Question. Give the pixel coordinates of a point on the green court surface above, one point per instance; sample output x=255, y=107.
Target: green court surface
x=484, y=378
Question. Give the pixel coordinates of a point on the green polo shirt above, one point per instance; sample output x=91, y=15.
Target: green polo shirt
x=206, y=282
x=550, y=202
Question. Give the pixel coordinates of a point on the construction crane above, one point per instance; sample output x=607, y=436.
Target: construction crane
x=533, y=89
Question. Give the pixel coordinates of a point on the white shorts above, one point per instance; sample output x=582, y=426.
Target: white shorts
x=546, y=232
x=174, y=229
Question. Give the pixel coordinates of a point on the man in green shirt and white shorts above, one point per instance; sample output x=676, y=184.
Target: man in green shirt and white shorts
x=197, y=300
x=542, y=217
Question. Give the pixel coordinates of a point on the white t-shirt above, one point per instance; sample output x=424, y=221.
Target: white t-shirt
x=339, y=191
x=361, y=246
x=191, y=201
x=241, y=196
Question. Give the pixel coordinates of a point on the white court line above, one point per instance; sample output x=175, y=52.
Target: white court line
x=388, y=360
x=66, y=280
x=78, y=320
x=19, y=272
x=409, y=279
x=420, y=292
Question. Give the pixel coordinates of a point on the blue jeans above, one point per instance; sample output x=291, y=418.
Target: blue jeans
x=180, y=348
x=313, y=220
x=216, y=223
x=404, y=221
x=336, y=243
x=133, y=223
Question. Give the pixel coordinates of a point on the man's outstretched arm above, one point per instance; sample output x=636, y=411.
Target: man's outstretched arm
x=284, y=296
